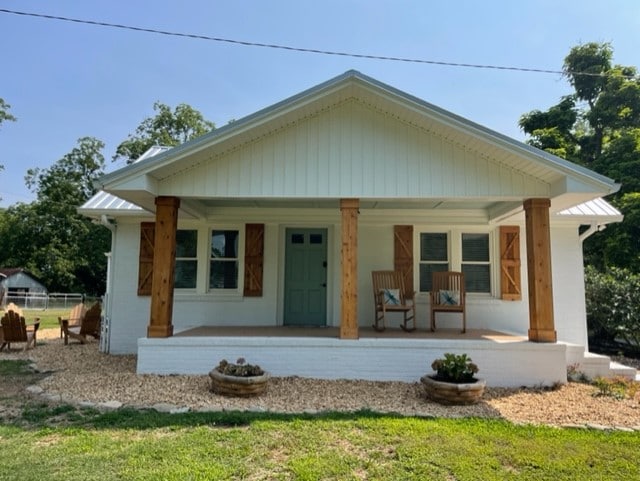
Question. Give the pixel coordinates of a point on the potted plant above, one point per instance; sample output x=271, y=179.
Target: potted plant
x=454, y=381
x=238, y=379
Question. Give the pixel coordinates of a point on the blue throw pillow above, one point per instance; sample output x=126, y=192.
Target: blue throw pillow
x=450, y=298
x=391, y=296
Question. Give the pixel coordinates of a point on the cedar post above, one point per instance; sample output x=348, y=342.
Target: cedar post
x=164, y=260
x=349, y=258
x=541, y=322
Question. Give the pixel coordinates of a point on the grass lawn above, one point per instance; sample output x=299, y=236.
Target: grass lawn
x=66, y=443
x=48, y=317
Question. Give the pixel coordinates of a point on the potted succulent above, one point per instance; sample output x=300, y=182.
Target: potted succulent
x=238, y=379
x=454, y=381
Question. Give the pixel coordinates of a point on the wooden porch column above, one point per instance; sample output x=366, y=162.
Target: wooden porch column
x=541, y=322
x=349, y=261
x=164, y=260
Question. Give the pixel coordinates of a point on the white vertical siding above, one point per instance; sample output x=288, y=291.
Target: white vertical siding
x=352, y=151
x=130, y=313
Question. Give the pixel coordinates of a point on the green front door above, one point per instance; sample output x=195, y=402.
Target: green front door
x=305, y=283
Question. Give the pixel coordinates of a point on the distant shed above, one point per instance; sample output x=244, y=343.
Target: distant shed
x=16, y=284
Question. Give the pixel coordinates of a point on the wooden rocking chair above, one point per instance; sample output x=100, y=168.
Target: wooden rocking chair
x=390, y=296
x=15, y=329
x=89, y=326
x=448, y=295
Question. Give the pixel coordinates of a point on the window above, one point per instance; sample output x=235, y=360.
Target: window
x=223, y=264
x=186, y=259
x=475, y=262
x=457, y=251
x=434, y=257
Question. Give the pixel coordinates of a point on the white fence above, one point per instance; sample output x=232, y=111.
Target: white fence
x=55, y=300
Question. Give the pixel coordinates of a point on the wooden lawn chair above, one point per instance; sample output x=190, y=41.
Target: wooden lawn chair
x=76, y=315
x=14, y=328
x=390, y=296
x=448, y=295
x=89, y=326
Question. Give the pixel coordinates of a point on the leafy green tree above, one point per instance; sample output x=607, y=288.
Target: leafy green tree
x=166, y=128
x=598, y=126
x=48, y=236
x=4, y=117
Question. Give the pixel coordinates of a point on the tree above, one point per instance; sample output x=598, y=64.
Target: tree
x=48, y=236
x=4, y=117
x=167, y=128
x=4, y=112
x=598, y=126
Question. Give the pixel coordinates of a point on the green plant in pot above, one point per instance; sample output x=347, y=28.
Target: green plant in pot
x=454, y=381
x=454, y=368
x=238, y=379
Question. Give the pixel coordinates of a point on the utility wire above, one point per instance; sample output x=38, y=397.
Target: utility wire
x=300, y=49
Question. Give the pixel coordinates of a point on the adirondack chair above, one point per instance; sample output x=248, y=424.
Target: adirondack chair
x=89, y=326
x=447, y=295
x=390, y=296
x=75, y=317
x=15, y=329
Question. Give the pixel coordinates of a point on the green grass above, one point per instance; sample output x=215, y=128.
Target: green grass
x=146, y=445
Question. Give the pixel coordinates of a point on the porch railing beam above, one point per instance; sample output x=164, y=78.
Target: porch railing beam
x=164, y=259
x=541, y=321
x=349, y=258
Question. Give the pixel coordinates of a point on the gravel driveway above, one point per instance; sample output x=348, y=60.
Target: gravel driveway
x=80, y=373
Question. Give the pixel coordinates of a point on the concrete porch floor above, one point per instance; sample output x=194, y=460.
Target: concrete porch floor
x=334, y=332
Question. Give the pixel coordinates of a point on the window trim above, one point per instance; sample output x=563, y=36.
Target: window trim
x=454, y=246
x=196, y=258
x=238, y=291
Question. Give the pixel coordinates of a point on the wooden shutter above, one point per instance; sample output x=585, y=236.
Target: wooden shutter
x=253, y=259
x=510, y=284
x=403, y=254
x=145, y=262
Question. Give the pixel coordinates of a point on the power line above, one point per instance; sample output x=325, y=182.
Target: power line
x=300, y=49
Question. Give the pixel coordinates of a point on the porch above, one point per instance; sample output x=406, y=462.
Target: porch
x=393, y=355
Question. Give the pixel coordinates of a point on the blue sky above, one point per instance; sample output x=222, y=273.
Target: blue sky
x=66, y=80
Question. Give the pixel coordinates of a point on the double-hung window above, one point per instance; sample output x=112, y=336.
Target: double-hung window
x=434, y=257
x=186, y=259
x=457, y=251
x=476, y=265
x=224, y=261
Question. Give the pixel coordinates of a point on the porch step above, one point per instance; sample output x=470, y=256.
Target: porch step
x=618, y=369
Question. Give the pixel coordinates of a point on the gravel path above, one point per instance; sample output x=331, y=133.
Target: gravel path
x=81, y=373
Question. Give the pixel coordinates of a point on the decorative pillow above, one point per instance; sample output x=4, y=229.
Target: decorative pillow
x=451, y=298
x=391, y=296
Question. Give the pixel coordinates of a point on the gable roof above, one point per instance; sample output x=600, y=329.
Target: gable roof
x=138, y=183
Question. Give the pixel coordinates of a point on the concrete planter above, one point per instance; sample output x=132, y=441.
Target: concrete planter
x=452, y=393
x=237, y=385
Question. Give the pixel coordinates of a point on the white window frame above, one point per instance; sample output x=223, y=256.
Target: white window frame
x=238, y=291
x=454, y=246
x=196, y=258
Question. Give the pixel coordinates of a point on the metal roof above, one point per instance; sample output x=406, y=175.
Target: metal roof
x=104, y=203
x=596, y=209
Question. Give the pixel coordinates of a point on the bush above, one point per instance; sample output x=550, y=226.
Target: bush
x=613, y=307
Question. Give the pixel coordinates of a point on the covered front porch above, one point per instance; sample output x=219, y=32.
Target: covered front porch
x=393, y=355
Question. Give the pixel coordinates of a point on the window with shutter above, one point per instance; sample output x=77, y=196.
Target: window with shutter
x=434, y=257
x=186, y=259
x=476, y=265
x=145, y=261
x=253, y=259
x=510, y=283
